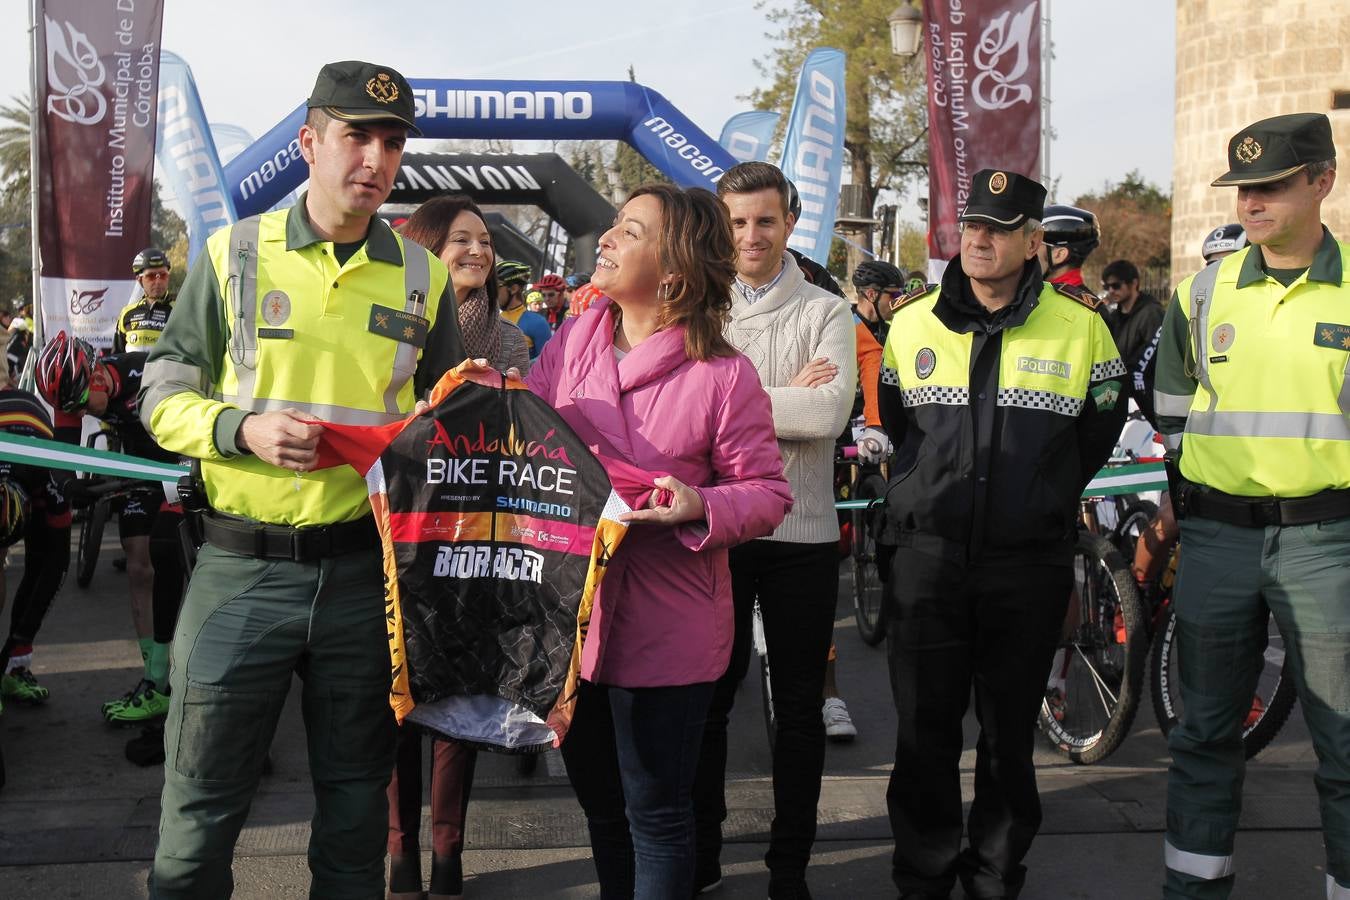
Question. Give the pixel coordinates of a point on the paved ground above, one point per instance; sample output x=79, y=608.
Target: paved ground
x=77, y=820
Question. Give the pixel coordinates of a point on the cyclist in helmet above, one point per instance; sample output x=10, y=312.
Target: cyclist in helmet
x=877, y=283
x=552, y=286
x=512, y=277
x=1071, y=234
x=141, y=321
x=75, y=382
x=33, y=508
x=1222, y=241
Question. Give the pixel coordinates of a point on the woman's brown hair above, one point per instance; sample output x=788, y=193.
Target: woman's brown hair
x=696, y=246
x=430, y=227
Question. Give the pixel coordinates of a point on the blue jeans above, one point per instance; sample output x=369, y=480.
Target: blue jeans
x=631, y=754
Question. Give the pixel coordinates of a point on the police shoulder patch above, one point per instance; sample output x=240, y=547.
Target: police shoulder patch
x=911, y=296
x=1079, y=293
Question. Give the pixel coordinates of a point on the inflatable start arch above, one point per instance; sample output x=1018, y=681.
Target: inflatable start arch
x=515, y=110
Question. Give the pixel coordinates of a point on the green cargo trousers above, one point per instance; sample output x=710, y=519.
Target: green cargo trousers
x=1228, y=581
x=246, y=625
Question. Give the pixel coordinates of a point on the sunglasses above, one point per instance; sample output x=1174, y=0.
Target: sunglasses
x=155, y=275
x=1113, y=285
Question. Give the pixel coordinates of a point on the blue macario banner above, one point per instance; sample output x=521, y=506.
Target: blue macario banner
x=512, y=110
x=747, y=135
x=813, y=151
x=187, y=155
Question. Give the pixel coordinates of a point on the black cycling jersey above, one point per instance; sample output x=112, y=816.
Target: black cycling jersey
x=123, y=372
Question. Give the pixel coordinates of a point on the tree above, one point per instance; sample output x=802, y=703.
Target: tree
x=1136, y=221
x=887, y=119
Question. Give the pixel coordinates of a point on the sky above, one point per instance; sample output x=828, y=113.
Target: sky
x=1111, y=82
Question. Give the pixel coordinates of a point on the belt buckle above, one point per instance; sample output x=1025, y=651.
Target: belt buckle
x=1267, y=512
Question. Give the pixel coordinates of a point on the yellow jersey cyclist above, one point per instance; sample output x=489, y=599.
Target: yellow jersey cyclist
x=140, y=322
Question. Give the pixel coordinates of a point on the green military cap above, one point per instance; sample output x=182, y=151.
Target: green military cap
x=1276, y=148
x=356, y=91
x=1003, y=198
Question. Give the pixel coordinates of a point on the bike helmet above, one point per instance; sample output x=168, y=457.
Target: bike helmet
x=511, y=272
x=1224, y=239
x=13, y=512
x=877, y=273
x=1073, y=228
x=577, y=279
x=551, y=282
x=64, y=369
x=149, y=258
x=794, y=201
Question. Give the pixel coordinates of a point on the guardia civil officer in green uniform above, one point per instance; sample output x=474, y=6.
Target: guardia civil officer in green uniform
x=317, y=312
x=1004, y=397
x=1252, y=387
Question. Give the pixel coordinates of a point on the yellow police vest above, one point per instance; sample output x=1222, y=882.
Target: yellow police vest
x=1271, y=413
x=1046, y=363
x=339, y=342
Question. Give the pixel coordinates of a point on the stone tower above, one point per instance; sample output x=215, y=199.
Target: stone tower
x=1243, y=60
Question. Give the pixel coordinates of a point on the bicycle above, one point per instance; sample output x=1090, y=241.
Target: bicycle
x=103, y=495
x=1101, y=656
x=1275, y=692
x=861, y=491
x=761, y=648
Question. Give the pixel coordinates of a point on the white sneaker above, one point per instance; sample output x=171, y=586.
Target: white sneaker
x=838, y=726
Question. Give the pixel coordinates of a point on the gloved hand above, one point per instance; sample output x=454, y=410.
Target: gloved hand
x=873, y=446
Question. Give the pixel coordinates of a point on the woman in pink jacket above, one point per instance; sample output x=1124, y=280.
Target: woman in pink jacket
x=646, y=376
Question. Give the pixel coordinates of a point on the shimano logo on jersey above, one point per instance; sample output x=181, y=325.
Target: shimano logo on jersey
x=1043, y=366
x=486, y=104
x=524, y=504
x=484, y=561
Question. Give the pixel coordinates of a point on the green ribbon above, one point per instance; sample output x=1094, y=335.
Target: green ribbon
x=1133, y=478
x=60, y=455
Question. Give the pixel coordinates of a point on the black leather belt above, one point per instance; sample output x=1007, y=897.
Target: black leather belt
x=1258, y=512
x=253, y=538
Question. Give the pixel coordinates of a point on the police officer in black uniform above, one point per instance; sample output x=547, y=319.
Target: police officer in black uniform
x=1004, y=395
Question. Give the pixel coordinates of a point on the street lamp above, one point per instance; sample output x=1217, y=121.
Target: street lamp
x=906, y=30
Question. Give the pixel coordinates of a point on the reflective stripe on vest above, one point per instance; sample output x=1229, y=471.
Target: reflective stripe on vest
x=1202, y=293
x=416, y=283
x=242, y=283
x=1198, y=865
x=1303, y=426
x=1336, y=891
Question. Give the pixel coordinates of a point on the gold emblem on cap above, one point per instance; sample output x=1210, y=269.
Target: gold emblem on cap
x=382, y=88
x=998, y=183
x=1248, y=151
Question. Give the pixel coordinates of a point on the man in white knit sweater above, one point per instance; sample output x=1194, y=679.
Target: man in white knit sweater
x=801, y=340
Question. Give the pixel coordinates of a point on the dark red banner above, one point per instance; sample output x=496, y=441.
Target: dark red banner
x=984, y=102
x=97, y=91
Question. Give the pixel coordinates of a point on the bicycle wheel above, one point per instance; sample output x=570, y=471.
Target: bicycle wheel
x=870, y=562
x=765, y=680
x=1093, y=695
x=1271, y=707
x=91, y=541
x=1136, y=517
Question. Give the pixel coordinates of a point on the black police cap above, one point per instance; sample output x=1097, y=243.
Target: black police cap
x=1001, y=198
x=356, y=91
x=1276, y=148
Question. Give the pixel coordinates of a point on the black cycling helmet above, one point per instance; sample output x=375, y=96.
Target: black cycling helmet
x=510, y=272
x=1073, y=228
x=13, y=512
x=1224, y=239
x=149, y=258
x=877, y=273
x=65, y=368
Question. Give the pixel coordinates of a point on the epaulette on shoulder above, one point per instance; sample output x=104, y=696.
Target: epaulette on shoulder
x=911, y=296
x=1080, y=294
